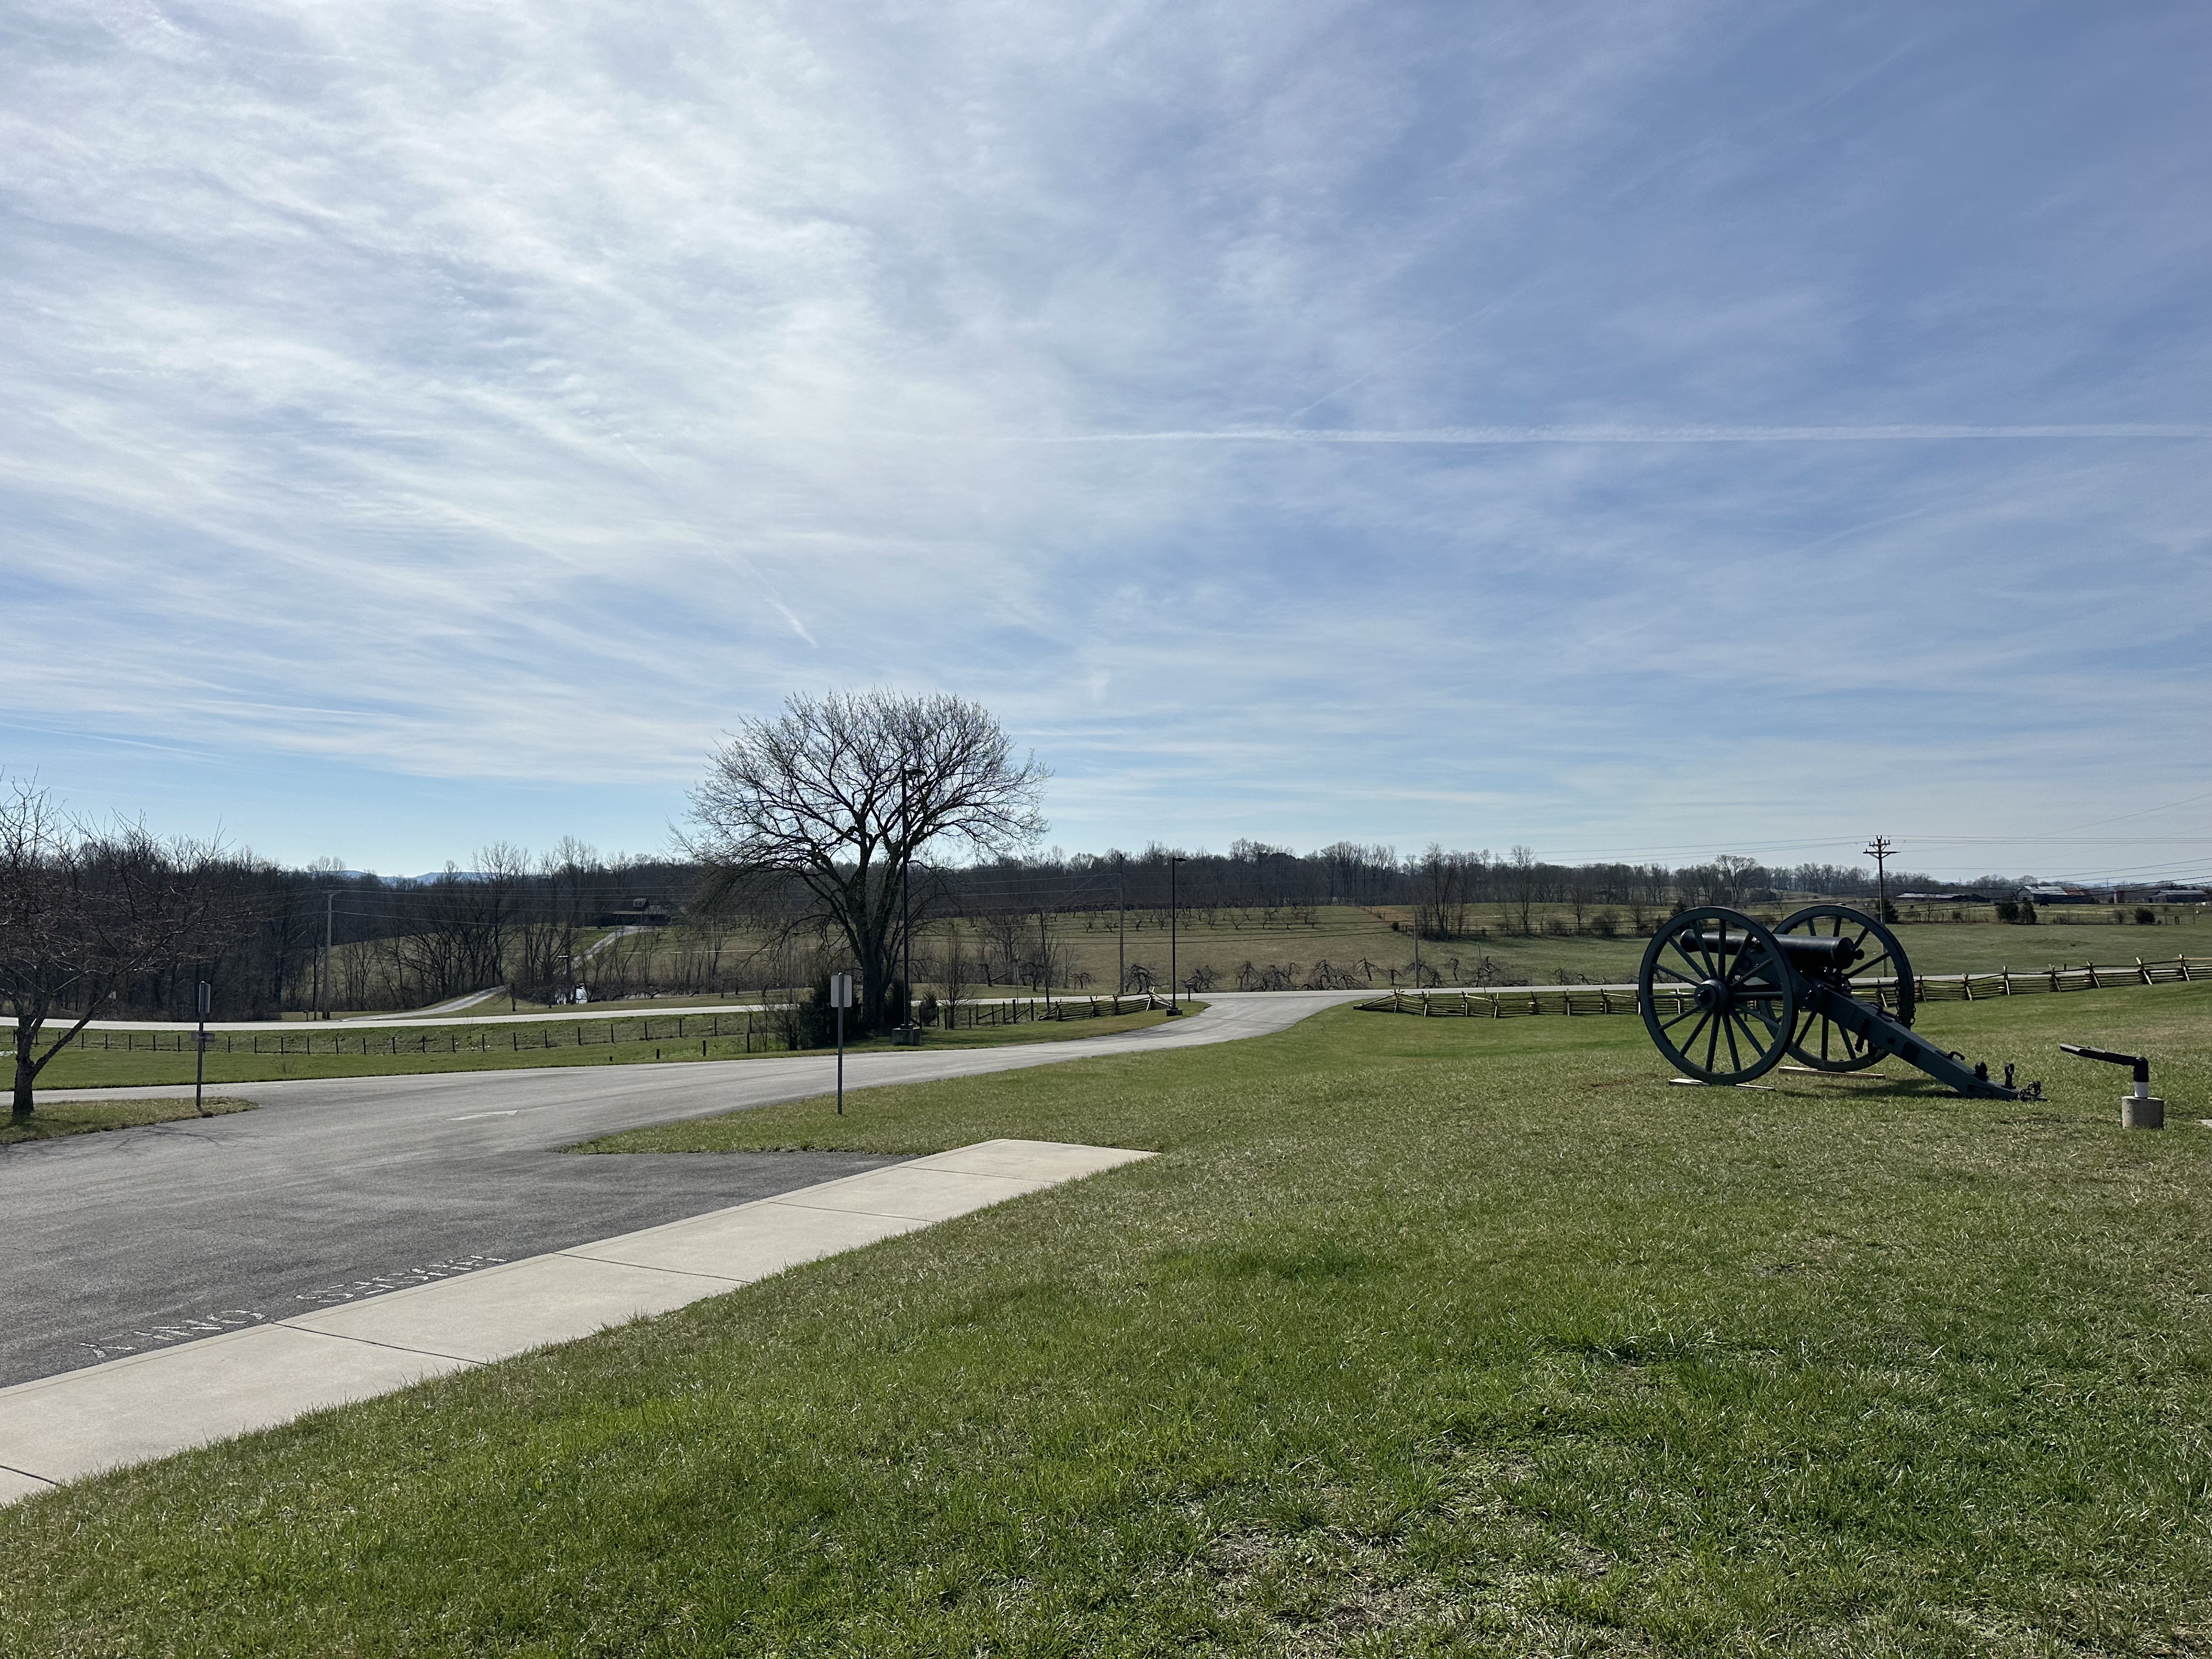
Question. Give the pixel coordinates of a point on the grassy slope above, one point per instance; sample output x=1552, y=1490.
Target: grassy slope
x=1084, y=942
x=99, y=1068
x=77, y=1117
x=1422, y=1336
x=1345, y=934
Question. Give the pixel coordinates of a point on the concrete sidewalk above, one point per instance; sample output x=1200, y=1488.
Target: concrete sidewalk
x=150, y=1405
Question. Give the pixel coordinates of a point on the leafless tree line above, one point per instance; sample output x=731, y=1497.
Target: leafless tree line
x=87, y=912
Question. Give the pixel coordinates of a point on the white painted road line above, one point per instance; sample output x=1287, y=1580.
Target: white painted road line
x=150, y=1405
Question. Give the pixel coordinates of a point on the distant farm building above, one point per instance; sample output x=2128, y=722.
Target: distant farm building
x=638, y=913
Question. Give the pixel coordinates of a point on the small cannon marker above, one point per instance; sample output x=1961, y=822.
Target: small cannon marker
x=2140, y=1110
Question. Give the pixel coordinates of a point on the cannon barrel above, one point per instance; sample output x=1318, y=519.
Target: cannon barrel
x=1814, y=951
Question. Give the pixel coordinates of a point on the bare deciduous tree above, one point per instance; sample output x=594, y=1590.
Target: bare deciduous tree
x=1522, y=876
x=954, y=973
x=842, y=792
x=82, y=912
x=1443, y=892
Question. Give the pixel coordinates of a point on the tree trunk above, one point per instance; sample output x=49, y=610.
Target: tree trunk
x=27, y=1072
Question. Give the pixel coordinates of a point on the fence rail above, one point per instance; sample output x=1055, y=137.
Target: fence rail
x=1514, y=1002
x=764, y=1031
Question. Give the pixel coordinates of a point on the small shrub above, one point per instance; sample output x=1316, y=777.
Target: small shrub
x=2145, y=916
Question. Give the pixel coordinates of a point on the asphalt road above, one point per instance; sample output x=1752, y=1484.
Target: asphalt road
x=342, y=1188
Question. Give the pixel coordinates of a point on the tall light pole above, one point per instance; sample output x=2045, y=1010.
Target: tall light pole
x=912, y=1031
x=1044, y=948
x=330, y=899
x=906, y=902
x=1175, y=989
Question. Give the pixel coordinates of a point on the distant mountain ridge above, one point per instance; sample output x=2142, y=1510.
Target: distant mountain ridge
x=403, y=881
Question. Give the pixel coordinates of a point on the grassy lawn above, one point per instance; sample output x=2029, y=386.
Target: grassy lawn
x=504, y=1048
x=78, y=1117
x=1423, y=1336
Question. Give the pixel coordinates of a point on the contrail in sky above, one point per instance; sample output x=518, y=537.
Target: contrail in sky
x=1616, y=434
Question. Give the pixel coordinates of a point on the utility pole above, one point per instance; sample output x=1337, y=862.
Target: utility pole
x=1879, y=852
x=1120, y=923
x=1175, y=989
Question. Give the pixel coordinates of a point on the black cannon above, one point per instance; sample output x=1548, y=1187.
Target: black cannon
x=1725, y=998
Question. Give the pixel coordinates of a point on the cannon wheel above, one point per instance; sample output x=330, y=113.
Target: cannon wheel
x=1819, y=1043
x=1738, y=1003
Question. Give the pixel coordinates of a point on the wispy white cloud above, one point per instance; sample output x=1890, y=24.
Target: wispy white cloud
x=1323, y=419
x=1477, y=435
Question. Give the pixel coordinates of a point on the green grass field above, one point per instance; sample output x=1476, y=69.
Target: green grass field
x=78, y=1117
x=1347, y=937
x=1421, y=1336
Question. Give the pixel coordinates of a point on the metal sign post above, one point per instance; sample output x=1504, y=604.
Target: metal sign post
x=840, y=999
x=199, y=1056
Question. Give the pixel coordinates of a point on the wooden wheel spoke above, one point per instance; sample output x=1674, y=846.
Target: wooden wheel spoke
x=1749, y=968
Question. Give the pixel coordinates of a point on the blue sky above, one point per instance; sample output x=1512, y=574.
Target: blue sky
x=1635, y=430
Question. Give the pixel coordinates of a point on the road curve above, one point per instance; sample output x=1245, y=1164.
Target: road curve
x=341, y=1188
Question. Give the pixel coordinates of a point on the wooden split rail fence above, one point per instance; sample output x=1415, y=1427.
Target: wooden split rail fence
x=758, y=1031
x=968, y=1016
x=1512, y=1001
